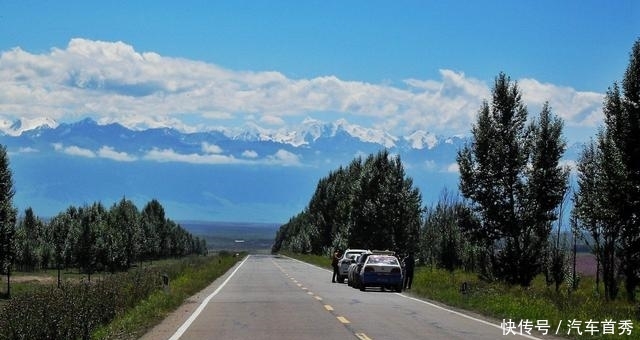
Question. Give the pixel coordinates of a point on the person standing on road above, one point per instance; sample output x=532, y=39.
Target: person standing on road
x=334, y=264
x=409, y=264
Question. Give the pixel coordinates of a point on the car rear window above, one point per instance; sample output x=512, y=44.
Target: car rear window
x=383, y=259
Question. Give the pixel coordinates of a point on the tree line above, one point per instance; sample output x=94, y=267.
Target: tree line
x=370, y=203
x=514, y=190
x=91, y=238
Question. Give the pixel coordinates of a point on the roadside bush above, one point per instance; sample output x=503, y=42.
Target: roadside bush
x=77, y=309
x=74, y=310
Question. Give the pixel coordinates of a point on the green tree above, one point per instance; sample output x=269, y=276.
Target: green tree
x=155, y=229
x=28, y=237
x=126, y=233
x=587, y=203
x=8, y=216
x=370, y=204
x=512, y=183
x=387, y=211
x=59, y=227
x=626, y=121
x=90, y=249
x=609, y=200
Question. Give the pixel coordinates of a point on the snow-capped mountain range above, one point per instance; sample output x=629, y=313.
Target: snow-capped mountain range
x=305, y=133
x=251, y=174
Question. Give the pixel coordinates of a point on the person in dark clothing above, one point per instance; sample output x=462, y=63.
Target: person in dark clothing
x=334, y=264
x=409, y=264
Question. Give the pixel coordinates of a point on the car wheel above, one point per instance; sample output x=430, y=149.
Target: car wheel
x=363, y=288
x=398, y=288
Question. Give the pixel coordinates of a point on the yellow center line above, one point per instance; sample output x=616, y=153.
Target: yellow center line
x=328, y=307
x=362, y=336
x=318, y=298
x=310, y=293
x=343, y=319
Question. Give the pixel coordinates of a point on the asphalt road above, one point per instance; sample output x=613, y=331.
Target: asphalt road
x=269, y=297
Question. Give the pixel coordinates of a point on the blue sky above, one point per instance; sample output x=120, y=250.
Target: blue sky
x=402, y=65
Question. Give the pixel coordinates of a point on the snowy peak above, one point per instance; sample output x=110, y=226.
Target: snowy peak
x=17, y=127
x=310, y=130
x=308, y=133
x=421, y=140
x=365, y=134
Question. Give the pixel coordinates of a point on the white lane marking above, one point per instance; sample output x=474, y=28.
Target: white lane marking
x=204, y=303
x=462, y=315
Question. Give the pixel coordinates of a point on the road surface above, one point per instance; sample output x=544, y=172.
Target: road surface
x=272, y=297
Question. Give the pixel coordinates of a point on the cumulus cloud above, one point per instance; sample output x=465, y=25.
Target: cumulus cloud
x=169, y=155
x=144, y=89
x=211, y=148
x=104, y=152
x=576, y=108
x=453, y=168
x=249, y=154
x=284, y=157
x=74, y=150
x=281, y=157
x=111, y=153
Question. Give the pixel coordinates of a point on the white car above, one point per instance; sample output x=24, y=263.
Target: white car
x=380, y=270
x=347, y=259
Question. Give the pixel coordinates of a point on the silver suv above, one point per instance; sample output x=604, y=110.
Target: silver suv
x=347, y=259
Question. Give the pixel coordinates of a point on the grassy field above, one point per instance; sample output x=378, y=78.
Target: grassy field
x=584, y=309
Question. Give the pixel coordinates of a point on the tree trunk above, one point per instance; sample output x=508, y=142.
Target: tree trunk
x=8, y=282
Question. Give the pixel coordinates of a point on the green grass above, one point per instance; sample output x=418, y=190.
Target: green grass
x=537, y=302
x=135, y=322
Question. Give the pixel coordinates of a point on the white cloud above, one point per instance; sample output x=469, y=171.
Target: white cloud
x=211, y=148
x=576, y=108
x=169, y=155
x=453, y=168
x=249, y=154
x=281, y=157
x=27, y=150
x=430, y=165
x=104, y=152
x=284, y=157
x=272, y=120
x=144, y=89
x=111, y=153
x=74, y=150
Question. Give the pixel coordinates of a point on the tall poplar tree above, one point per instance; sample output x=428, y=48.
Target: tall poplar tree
x=8, y=216
x=617, y=166
x=510, y=172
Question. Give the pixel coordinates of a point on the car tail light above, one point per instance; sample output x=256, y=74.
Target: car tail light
x=395, y=270
x=368, y=269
